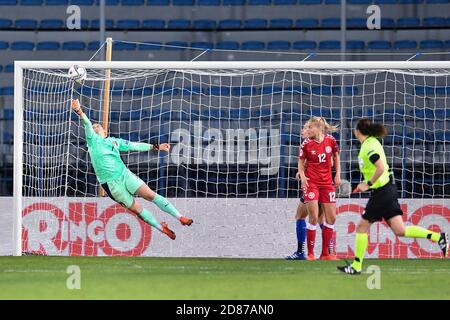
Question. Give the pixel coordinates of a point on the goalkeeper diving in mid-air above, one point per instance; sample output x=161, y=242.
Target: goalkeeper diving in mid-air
x=117, y=180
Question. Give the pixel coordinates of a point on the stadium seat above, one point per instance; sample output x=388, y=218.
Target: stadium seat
x=307, y=23
x=123, y=46
x=434, y=22
x=227, y=45
x=385, y=1
x=31, y=2
x=410, y=1
x=304, y=45
x=25, y=24
x=202, y=45
x=447, y=43
x=4, y=45
x=22, y=45
x=153, y=24
x=408, y=23
x=355, y=45
x=281, y=23
x=56, y=2
x=233, y=2
x=150, y=46
x=82, y=2
x=208, y=2
x=73, y=45
x=379, y=45
x=278, y=45
x=271, y=90
x=255, y=24
x=253, y=45
x=183, y=2
x=329, y=45
x=218, y=91
x=8, y=2
x=331, y=23
x=51, y=24
x=179, y=24
x=229, y=24
x=387, y=23
x=9, y=68
x=284, y=2
x=332, y=2
x=5, y=23
x=405, y=44
x=93, y=45
x=431, y=44
x=158, y=2
x=109, y=24
x=356, y=23
x=7, y=91
x=48, y=45
x=259, y=2
x=132, y=2
x=309, y=2
x=176, y=45
x=1, y=68
x=128, y=24
x=204, y=24
x=359, y=1
x=8, y=114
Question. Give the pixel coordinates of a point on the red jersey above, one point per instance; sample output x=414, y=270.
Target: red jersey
x=318, y=159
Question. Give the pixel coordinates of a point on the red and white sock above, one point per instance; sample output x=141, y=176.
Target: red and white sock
x=310, y=237
x=327, y=235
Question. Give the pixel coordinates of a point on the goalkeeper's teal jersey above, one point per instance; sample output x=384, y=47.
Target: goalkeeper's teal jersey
x=105, y=153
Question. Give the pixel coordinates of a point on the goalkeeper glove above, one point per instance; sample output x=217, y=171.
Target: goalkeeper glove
x=155, y=147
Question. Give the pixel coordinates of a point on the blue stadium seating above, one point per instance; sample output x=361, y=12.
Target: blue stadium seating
x=253, y=45
x=431, y=44
x=355, y=45
x=227, y=45
x=410, y=1
x=157, y=2
x=202, y=45
x=51, y=24
x=284, y=2
x=82, y=2
x=56, y=2
x=208, y=2
x=408, y=23
x=150, y=46
x=309, y=23
x=356, y=23
x=259, y=2
x=359, y=1
x=218, y=91
x=48, y=45
x=405, y=44
x=183, y=2
x=434, y=22
x=329, y=45
x=176, y=45
x=4, y=45
x=271, y=90
x=179, y=24
x=5, y=23
x=309, y=2
x=123, y=46
x=447, y=43
x=278, y=45
x=22, y=45
x=31, y=2
x=128, y=24
x=331, y=23
x=93, y=45
x=8, y=2
x=387, y=23
x=385, y=1
x=304, y=45
x=109, y=24
x=1, y=68
x=73, y=45
x=438, y=1
x=153, y=24
x=233, y=2
x=8, y=114
x=229, y=24
x=132, y=2
x=204, y=24
x=255, y=24
x=109, y=2
x=25, y=24
x=379, y=45
x=281, y=23
x=9, y=68
x=7, y=91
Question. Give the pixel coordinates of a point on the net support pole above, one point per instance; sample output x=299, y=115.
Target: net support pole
x=106, y=94
x=18, y=160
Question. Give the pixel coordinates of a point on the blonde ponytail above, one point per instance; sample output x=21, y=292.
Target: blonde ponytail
x=324, y=125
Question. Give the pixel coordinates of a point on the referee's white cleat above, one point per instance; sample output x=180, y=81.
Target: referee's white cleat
x=443, y=244
x=348, y=269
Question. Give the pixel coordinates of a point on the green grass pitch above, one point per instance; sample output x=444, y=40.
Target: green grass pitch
x=39, y=277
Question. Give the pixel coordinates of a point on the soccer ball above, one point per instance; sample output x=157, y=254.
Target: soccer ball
x=77, y=73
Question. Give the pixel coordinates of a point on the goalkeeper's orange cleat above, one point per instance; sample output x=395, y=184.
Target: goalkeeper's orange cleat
x=329, y=257
x=167, y=231
x=311, y=257
x=186, y=221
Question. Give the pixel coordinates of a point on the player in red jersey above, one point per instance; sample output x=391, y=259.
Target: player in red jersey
x=319, y=152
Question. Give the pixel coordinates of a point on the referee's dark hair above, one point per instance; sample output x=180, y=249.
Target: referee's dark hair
x=369, y=128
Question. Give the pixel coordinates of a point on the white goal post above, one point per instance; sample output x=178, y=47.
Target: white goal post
x=428, y=80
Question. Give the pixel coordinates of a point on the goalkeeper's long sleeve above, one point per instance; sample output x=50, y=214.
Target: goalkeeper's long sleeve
x=87, y=126
x=125, y=145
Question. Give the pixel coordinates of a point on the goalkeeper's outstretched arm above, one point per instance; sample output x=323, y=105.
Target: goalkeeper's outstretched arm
x=86, y=122
x=125, y=145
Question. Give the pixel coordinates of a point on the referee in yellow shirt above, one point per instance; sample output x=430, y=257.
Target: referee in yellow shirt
x=383, y=202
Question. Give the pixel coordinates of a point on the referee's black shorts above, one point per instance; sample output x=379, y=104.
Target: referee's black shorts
x=383, y=204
